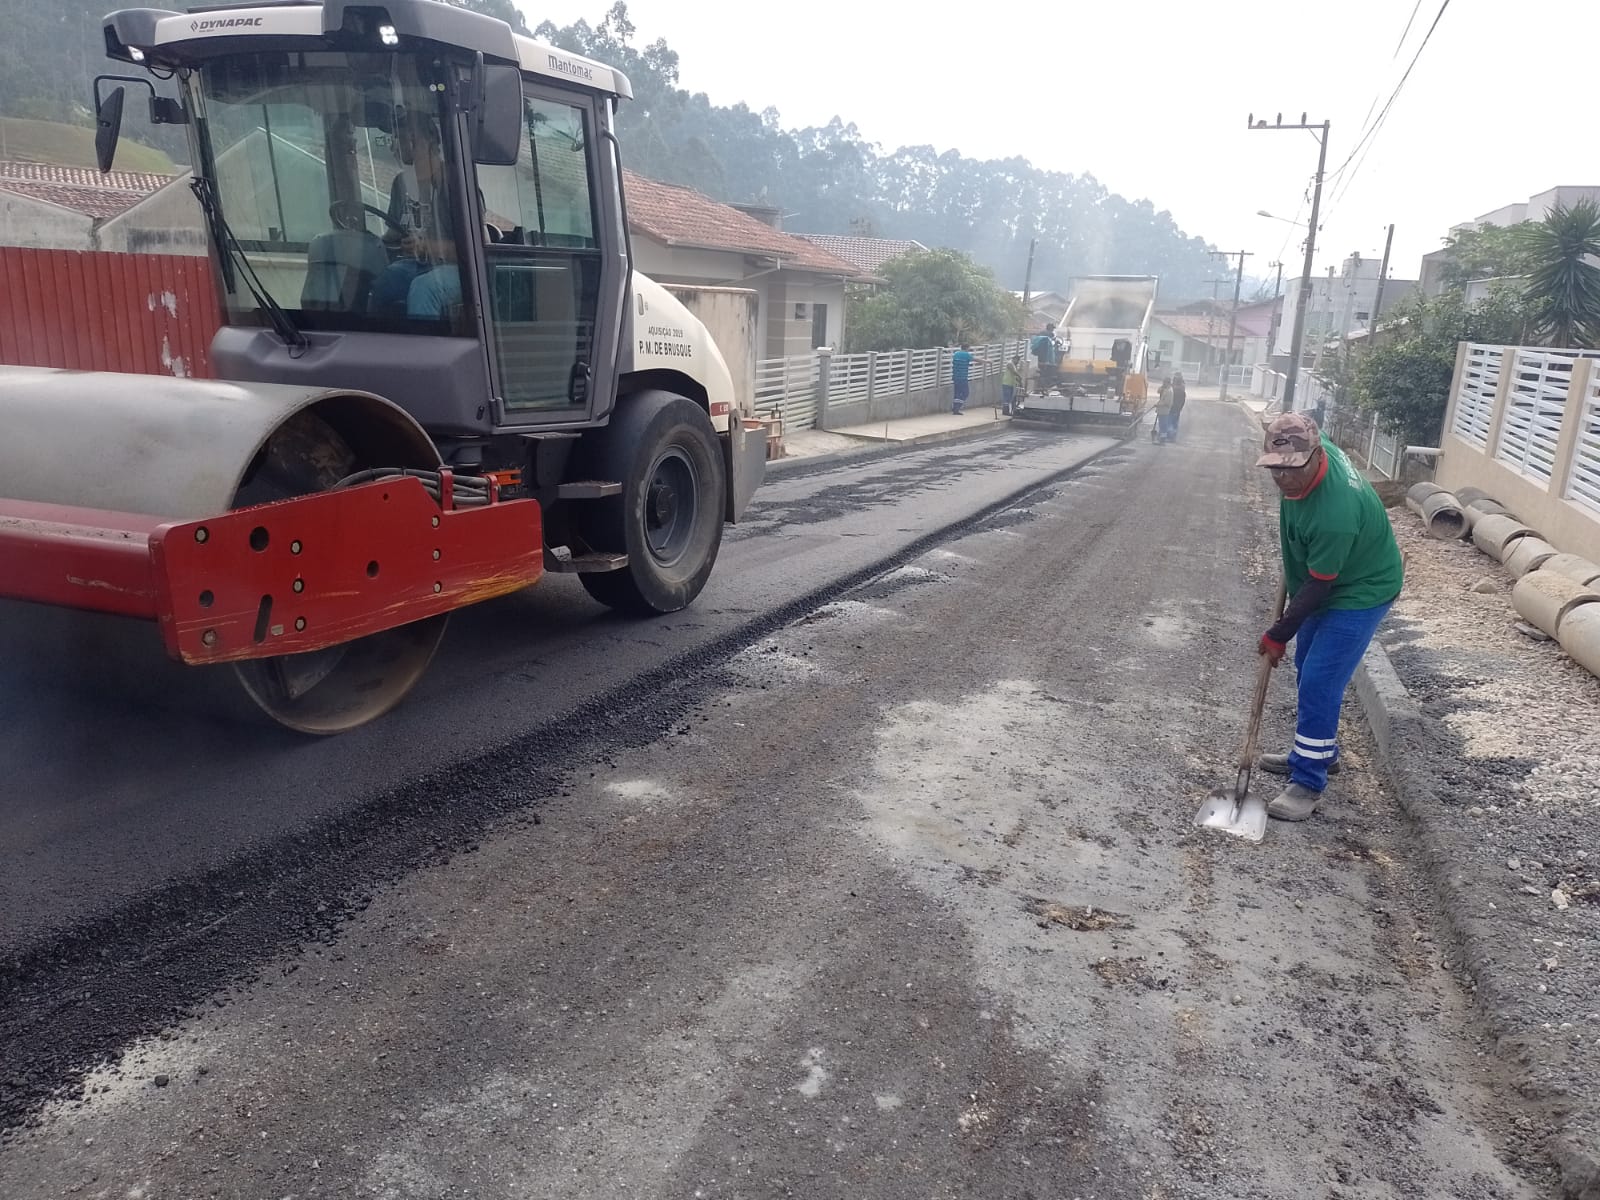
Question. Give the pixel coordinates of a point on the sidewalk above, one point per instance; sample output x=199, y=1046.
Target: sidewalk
x=909, y=431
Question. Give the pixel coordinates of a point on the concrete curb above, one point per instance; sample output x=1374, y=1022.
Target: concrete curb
x=929, y=439
x=1399, y=727
x=877, y=447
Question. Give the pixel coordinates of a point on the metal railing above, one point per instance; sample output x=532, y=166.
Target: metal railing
x=788, y=386
x=793, y=386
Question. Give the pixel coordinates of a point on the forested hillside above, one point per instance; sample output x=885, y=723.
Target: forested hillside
x=834, y=179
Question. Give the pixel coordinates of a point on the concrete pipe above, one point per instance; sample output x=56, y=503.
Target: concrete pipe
x=1473, y=511
x=1471, y=495
x=1528, y=554
x=1441, y=514
x=1580, y=636
x=1573, y=566
x=1545, y=601
x=1418, y=492
x=1493, y=534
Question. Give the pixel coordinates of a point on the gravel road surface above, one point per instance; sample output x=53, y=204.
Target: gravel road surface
x=872, y=876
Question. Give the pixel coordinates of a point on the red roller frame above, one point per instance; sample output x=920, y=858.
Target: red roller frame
x=281, y=578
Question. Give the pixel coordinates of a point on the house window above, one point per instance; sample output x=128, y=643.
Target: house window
x=819, y=325
x=1166, y=349
x=1361, y=316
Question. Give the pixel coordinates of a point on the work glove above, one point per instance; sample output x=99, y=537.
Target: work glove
x=1273, y=650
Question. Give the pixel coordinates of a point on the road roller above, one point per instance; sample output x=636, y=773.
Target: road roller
x=440, y=374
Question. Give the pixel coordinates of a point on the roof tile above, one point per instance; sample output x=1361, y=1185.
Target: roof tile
x=867, y=253
x=79, y=189
x=680, y=216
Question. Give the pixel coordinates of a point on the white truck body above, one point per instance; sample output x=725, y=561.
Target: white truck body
x=1101, y=309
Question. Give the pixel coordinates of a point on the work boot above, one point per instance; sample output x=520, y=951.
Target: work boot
x=1278, y=764
x=1294, y=803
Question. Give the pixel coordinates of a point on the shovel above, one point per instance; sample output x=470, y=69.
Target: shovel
x=1233, y=810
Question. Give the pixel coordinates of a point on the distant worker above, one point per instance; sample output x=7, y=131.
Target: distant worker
x=1159, y=432
x=1010, y=380
x=1343, y=571
x=1047, y=353
x=961, y=377
x=1179, y=397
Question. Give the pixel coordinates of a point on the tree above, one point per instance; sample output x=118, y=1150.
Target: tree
x=832, y=179
x=1406, y=379
x=504, y=10
x=933, y=298
x=1563, y=289
x=1487, y=252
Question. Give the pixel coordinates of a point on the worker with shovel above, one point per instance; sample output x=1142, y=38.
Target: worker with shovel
x=1343, y=571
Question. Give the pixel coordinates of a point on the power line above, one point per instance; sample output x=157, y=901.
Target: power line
x=1295, y=220
x=1404, y=35
x=1371, y=133
x=1372, y=107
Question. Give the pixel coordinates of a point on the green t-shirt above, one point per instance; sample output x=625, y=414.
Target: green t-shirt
x=1341, y=532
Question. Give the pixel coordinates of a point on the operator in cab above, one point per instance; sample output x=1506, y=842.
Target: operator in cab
x=425, y=280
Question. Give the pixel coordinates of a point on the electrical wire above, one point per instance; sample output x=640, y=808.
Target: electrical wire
x=1414, y=10
x=1372, y=107
x=1305, y=198
x=1367, y=138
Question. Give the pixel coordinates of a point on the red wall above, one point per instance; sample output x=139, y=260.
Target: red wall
x=152, y=314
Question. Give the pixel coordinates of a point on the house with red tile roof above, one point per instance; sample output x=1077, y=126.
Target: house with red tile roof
x=53, y=207
x=1194, y=339
x=679, y=237
x=683, y=237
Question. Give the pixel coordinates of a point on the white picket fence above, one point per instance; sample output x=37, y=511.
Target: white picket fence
x=789, y=386
x=1534, y=389
x=793, y=386
x=1534, y=411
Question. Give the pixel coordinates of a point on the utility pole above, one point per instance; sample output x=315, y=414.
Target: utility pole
x=1377, y=301
x=1027, y=295
x=1027, y=275
x=1298, y=340
x=1233, y=317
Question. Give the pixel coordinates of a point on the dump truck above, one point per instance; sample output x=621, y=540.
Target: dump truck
x=1100, y=377
x=441, y=375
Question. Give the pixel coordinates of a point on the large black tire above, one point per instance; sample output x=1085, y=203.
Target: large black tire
x=668, y=519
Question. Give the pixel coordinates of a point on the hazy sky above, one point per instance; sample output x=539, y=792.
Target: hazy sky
x=1151, y=98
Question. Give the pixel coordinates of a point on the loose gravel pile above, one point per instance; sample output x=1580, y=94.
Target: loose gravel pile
x=1514, y=772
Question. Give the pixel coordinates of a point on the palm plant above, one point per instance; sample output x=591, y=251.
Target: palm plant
x=1563, y=287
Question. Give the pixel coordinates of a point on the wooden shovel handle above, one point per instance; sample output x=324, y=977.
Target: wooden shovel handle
x=1247, y=756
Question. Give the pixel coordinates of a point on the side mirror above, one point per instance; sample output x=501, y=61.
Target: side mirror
x=108, y=127
x=498, y=130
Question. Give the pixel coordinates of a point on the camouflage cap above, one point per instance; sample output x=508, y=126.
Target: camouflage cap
x=1289, y=442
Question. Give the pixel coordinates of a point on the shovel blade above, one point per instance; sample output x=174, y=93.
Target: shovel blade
x=1245, y=818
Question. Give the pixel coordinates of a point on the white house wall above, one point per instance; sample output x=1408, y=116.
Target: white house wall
x=167, y=221
x=31, y=223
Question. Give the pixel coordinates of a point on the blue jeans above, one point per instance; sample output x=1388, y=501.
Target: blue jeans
x=434, y=293
x=1327, y=651
x=1008, y=396
x=390, y=290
